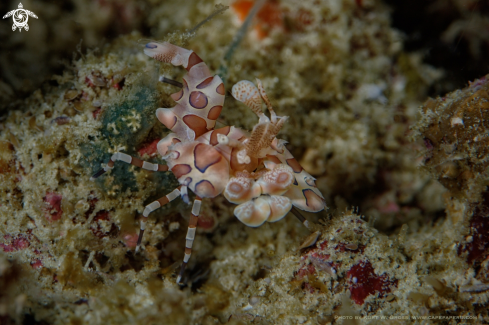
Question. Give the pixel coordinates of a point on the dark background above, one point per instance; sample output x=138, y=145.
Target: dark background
x=29, y=59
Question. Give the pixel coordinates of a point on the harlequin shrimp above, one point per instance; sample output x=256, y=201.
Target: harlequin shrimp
x=253, y=170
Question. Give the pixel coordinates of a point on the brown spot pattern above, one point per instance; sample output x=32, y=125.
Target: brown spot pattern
x=214, y=112
x=170, y=123
x=180, y=170
x=220, y=89
x=205, y=83
x=313, y=201
x=198, y=124
x=225, y=130
x=198, y=99
x=274, y=159
x=204, y=188
x=236, y=166
x=193, y=60
x=177, y=96
x=296, y=167
x=205, y=156
x=309, y=181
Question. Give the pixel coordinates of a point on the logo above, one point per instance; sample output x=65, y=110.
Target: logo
x=20, y=16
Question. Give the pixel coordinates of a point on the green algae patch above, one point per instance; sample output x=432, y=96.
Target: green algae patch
x=130, y=120
x=125, y=124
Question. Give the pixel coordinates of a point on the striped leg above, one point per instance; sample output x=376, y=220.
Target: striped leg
x=192, y=227
x=170, y=81
x=130, y=160
x=153, y=206
x=264, y=96
x=299, y=216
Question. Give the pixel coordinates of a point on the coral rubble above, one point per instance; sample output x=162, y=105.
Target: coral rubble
x=454, y=130
x=415, y=244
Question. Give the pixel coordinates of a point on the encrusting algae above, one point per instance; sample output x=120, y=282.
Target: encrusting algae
x=339, y=71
